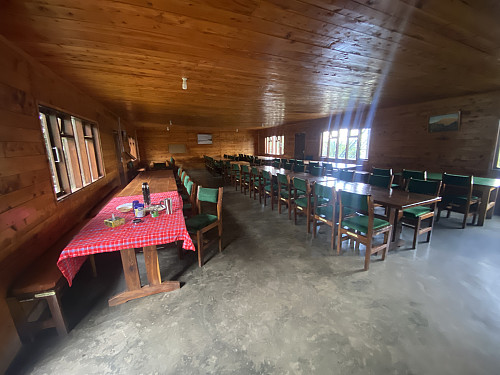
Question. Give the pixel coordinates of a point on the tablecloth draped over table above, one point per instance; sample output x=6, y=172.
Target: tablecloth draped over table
x=96, y=237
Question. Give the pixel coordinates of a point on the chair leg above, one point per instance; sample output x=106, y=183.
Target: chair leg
x=368, y=253
x=295, y=214
x=415, y=234
x=315, y=228
x=308, y=219
x=289, y=209
x=339, y=240
x=332, y=242
x=54, y=303
x=199, y=241
x=464, y=221
x=387, y=242
x=220, y=237
x=448, y=214
x=272, y=202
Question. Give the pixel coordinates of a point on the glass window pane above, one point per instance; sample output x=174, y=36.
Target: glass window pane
x=72, y=164
x=48, y=146
x=363, y=146
x=333, y=148
x=353, y=148
x=324, y=144
x=342, y=143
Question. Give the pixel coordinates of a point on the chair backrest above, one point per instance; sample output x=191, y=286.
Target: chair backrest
x=346, y=175
x=454, y=184
x=235, y=167
x=159, y=166
x=283, y=179
x=335, y=173
x=291, y=161
x=424, y=187
x=244, y=168
x=382, y=171
x=189, y=186
x=284, y=161
x=298, y=168
x=327, y=166
x=179, y=172
x=380, y=181
x=266, y=176
x=356, y=202
x=419, y=175
x=300, y=184
x=300, y=162
x=186, y=180
x=255, y=171
x=316, y=170
x=323, y=191
x=361, y=177
x=210, y=195
x=183, y=175
x=288, y=166
x=276, y=164
x=258, y=161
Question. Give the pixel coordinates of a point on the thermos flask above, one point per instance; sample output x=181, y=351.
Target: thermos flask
x=145, y=193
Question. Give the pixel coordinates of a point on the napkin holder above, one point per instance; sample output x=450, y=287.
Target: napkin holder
x=114, y=221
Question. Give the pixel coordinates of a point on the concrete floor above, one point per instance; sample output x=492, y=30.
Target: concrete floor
x=277, y=301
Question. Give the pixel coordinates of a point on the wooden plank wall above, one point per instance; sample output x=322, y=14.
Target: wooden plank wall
x=400, y=139
x=154, y=141
x=30, y=217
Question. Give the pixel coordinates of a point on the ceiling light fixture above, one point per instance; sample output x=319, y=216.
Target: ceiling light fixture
x=184, y=83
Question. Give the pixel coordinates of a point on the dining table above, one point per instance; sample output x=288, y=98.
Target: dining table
x=95, y=237
x=394, y=199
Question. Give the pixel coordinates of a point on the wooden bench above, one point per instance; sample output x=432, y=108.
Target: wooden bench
x=42, y=281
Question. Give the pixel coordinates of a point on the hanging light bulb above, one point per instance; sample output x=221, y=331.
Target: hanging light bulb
x=184, y=83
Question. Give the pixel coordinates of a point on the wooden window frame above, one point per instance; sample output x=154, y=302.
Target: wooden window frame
x=73, y=148
x=325, y=154
x=274, y=145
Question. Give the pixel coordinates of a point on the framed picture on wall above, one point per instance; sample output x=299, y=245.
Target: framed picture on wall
x=444, y=123
x=204, y=139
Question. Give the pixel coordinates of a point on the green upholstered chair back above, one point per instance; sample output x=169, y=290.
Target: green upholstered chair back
x=257, y=162
x=292, y=161
x=335, y=173
x=186, y=180
x=172, y=161
x=179, y=171
x=189, y=187
x=244, y=168
x=282, y=179
x=284, y=161
x=361, y=177
x=208, y=195
x=424, y=187
x=327, y=166
x=314, y=163
x=300, y=162
x=323, y=191
x=380, y=181
x=316, y=171
x=288, y=166
x=346, y=175
x=266, y=175
x=457, y=180
x=298, y=168
x=276, y=164
x=382, y=171
x=356, y=202
x=228, y=163
x=419, y=175
x=183, y=175
x=235, y=167
x=300, y=184
x=255, y=171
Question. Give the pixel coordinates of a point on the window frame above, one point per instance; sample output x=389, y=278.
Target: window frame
x=274, y=145
x=339, y=136
x=73, y=148
x=496, y=159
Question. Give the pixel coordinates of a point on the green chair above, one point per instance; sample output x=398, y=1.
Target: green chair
x=328, y=168
x=457, y=197
x=255, y=183
x=324, y=209
x=190, y=206
x=335, y=173
x=203, y=222
x=363, y=226
x=159, y=166
x=381, y=181
x=235, y=175
x=414, y=216
x=285, y=193
x=361, y=177
x=276, y=164
x=316, y=171
x=382, y=171
x=311, y=165
x=245, y=178
x=269, y=188
x=345, y=175
x=302, y=200
x=288, y=166
x=298, y=168
x=406, y=174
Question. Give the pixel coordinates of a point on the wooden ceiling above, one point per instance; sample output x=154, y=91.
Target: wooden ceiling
x=254, y=62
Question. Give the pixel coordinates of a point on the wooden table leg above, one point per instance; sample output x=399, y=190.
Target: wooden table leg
x=133, y=280
x=394, y=218
x=485, y=193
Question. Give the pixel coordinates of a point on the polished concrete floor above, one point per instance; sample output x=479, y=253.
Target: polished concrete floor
x=277, y=301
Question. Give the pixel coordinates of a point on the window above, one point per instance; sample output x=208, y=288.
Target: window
x=496, y=164
x=74, y=151
x=348, y=144
x=275, y=145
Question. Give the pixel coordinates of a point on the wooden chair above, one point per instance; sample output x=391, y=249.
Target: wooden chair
x=316, y=171
x=362, y=227
x=190, y=206
x=255, y=183
x=285, y=193
x=245, y=179
x=346, y=175
x=384, y=172
x=324, y=209
x=235, y=175
x=361, y=177
x=311, y=165
x=302, y=200
x=381, y=181
x=328, y=168
x=288, y=166
x=406, y=174
x=298, y=167
x=276, y=164
x=203, y=222
x=414, y=216
x=268, y=188
x=457, y=197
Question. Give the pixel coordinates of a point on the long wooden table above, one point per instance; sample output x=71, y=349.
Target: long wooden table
x=95, y=237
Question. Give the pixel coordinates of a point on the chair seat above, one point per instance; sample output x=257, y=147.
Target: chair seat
x=361, y=223
x=247, y=179
x=268, y=187
x=394, y=186
x=198, y=222
x=462, y=199
x=414, y=212
x=284, y=194
x=301, y=202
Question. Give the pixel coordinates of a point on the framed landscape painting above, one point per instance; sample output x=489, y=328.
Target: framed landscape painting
x=444, y=123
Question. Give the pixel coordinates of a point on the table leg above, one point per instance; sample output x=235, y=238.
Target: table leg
x=132, y=278
x=394, y=218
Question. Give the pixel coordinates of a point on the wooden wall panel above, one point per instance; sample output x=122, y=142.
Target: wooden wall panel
x=30, y=217
x=154, y=141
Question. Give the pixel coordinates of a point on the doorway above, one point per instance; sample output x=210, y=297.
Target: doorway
x=300, y=146
x=119, y=164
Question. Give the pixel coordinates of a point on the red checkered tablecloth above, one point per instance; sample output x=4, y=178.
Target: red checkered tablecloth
x=96, y=237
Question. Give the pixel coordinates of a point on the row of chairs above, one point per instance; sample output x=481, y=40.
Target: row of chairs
x=200, y=218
